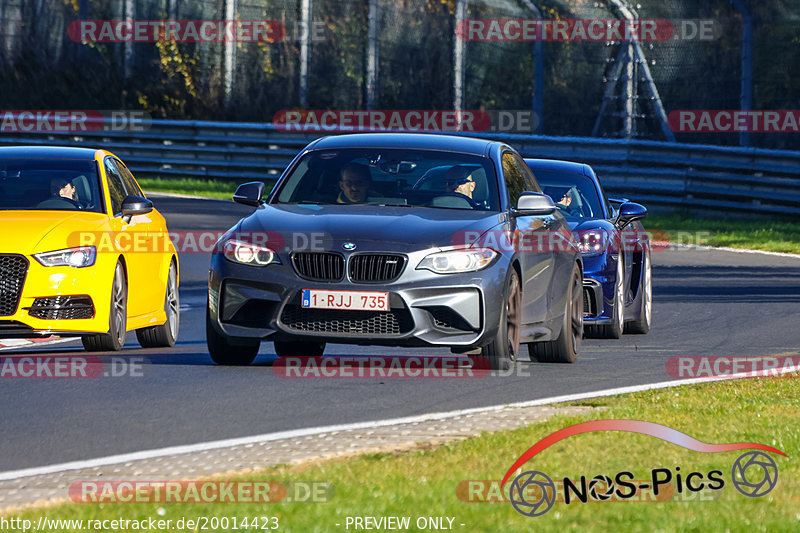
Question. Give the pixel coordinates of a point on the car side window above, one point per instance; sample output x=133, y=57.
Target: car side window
x=116, y=188
x=512, y=174
x=127, y=179
x=531, y=184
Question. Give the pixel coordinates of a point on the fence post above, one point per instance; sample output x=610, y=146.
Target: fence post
x=458, y=60
x=305, y=48
x=372, y=54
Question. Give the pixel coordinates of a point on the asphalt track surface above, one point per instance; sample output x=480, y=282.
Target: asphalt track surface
x=706, y=302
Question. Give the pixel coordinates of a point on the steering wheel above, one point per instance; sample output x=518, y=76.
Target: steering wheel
x=458, y=195
x=59, y=202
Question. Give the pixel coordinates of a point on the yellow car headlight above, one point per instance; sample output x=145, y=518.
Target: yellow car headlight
x=80, y=257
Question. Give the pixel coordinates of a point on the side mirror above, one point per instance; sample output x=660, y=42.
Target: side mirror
x=135, y=205
x=534, y=203
x=628, y=212
x=249, y=193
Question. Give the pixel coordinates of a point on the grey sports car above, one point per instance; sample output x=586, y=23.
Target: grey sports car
x=398, y=240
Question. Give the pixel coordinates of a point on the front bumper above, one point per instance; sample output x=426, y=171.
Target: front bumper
x=426, y=309
x=599, y=277
x=54, y=300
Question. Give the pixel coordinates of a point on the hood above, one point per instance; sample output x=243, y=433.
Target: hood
x=369, y=227
x=585, y=224
x=30, y=232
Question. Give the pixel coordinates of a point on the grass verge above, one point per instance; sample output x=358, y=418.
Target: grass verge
x=192, y=186
x=772, y=235
x=424, y=482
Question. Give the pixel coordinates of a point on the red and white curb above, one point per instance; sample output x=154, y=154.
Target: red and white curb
x=14, y=344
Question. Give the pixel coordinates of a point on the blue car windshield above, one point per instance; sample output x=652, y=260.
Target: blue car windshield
x=49, y=184
x=396, y=177
x=574, y=194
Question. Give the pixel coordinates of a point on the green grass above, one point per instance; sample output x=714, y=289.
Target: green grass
x=773, y=235
x=192, y=186
x=423, y=482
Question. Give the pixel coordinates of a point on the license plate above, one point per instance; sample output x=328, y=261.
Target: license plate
x=350, y=300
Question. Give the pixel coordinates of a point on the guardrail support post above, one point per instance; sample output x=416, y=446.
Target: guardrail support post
x=745, y=100
x=372, y=54
x=230, y=53
x=305, y=49
x=458, y=60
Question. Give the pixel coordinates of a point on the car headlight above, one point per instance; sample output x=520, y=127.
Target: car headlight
x=593, y=242
x=457, y=261
x=248, y=254
x=80, y=257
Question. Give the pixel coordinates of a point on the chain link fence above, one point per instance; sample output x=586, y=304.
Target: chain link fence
x=323, y=61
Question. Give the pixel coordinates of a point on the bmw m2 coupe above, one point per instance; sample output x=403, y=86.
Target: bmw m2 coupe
x=617, y=280
x=84, y=253
x=398, y=240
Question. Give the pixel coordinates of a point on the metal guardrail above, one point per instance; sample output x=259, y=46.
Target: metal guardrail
x=655, y=173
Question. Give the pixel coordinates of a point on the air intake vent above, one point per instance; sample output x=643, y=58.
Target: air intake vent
x=375, y=268
x=13, y=269
x=319, y=266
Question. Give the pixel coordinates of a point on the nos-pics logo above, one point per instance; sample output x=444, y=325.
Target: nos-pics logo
x=533, y=493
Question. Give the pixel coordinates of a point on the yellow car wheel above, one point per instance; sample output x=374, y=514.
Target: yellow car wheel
x=164, y=335
x=114, y=340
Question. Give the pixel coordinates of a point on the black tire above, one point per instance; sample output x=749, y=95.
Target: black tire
x=114, y=340
x=229, y=351
x=502, y=352
x=613, y=330
x=164, y=335
x=642, y=324
x=565, y=348
x=299, y=348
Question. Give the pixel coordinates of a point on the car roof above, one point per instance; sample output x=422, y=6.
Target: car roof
x=47, y=152
x=418, y=141
x=555, y=164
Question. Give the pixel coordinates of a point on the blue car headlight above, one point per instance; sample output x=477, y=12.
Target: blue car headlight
x=593, y=242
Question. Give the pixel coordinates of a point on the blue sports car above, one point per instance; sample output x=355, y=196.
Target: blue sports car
x=617, y=281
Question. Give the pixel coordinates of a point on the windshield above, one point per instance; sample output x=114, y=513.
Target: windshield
x=423, y=178
x=574, y=194
x=49, y=184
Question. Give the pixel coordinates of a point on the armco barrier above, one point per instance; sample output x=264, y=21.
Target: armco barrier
x=656, y=173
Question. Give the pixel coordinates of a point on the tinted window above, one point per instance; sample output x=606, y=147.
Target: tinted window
x=50, y=184
x=423, y=178
x=513, y=176
x=127, y=179
x=116, y=189
x=574, y=194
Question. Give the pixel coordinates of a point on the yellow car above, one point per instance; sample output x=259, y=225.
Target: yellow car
x=83, y=252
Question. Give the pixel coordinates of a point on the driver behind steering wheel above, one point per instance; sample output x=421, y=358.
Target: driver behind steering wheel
x=63, y=188
x=62, y=194
x=459, y=179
